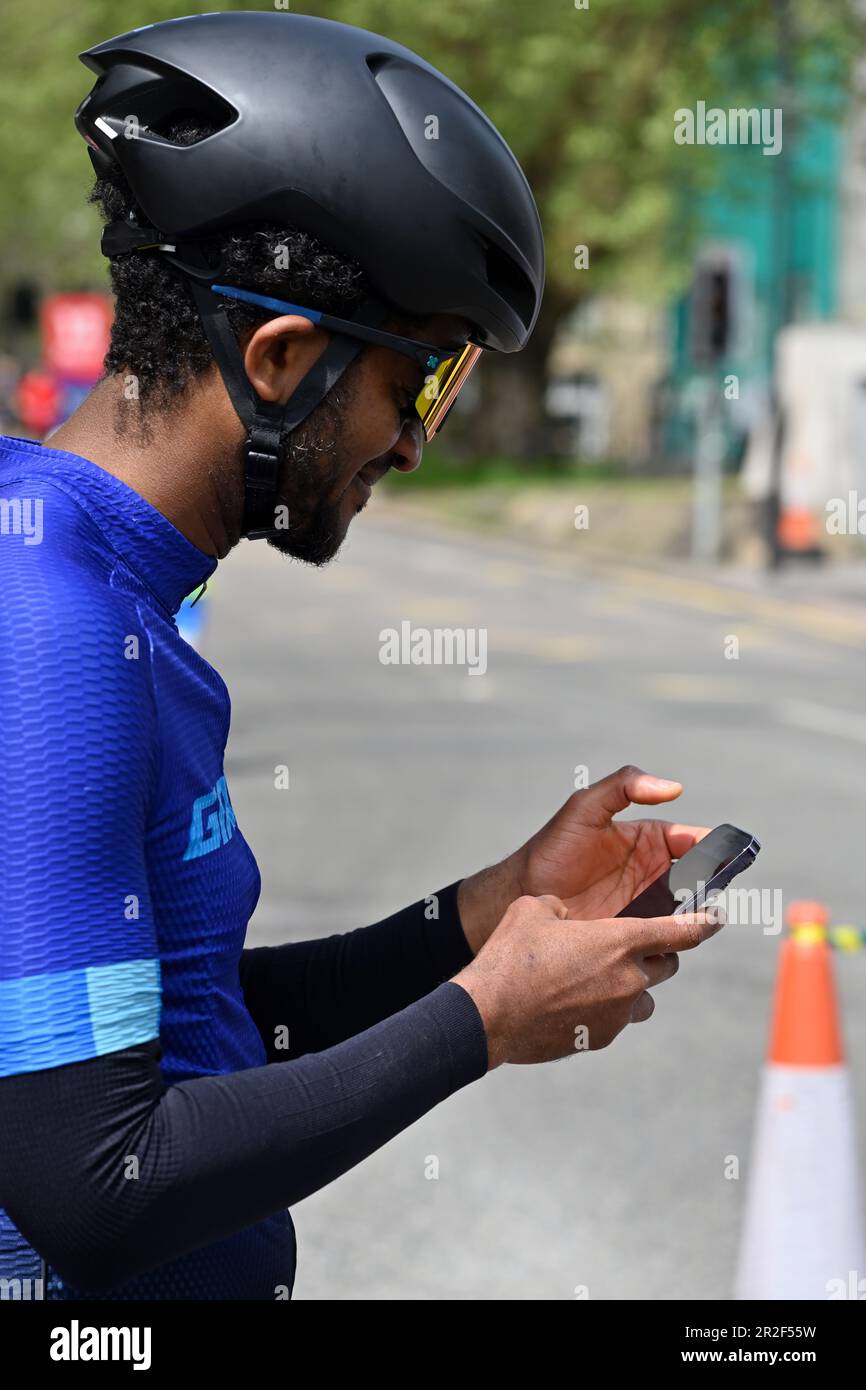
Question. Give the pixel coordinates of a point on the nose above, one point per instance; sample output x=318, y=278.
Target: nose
x=406, y=454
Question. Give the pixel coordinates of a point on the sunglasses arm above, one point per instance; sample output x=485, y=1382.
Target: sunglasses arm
x=427, y=355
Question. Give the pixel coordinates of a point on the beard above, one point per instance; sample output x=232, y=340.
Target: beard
x=312, y=462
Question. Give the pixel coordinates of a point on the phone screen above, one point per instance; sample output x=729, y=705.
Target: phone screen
x=689, y=878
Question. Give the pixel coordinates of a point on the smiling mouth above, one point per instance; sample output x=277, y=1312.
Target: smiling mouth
x=367, y=477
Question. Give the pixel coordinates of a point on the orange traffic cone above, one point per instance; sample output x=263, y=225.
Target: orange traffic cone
x=803, y=1227
x=798, y=530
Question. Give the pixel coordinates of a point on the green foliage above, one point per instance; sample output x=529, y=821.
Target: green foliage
x=444, y=470
x=585, y=96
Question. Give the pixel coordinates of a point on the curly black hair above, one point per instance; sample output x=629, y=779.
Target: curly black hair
x=157, y=335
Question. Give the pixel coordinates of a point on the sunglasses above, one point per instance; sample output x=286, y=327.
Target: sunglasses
x=445, y=372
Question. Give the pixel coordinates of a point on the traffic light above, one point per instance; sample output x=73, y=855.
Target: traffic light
x=711, y=312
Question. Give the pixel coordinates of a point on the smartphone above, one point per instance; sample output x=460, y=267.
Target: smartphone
x=689, y=882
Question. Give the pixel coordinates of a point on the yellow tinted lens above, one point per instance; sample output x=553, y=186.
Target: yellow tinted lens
x=442, y=387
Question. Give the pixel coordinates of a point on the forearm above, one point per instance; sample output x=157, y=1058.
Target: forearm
x=309, y=995
x=217, y=1154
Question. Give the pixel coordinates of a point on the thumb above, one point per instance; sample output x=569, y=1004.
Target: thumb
x=629, y=785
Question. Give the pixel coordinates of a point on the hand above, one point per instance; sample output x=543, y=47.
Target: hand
x=594, y=864
x=547, y=986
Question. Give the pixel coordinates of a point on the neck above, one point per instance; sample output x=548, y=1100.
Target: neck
x=174, y=465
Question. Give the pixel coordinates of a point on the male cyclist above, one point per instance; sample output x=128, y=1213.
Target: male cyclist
x=303, y=282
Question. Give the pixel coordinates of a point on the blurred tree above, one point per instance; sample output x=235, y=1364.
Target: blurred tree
x=585, y=97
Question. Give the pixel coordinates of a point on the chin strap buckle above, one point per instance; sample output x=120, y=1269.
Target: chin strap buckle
x=260, y=485
x=261, y=470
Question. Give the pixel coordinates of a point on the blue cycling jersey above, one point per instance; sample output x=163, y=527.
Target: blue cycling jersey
x=127, y=885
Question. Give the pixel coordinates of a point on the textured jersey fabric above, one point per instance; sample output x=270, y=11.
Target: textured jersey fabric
x=213, y=1156
x=126, y=888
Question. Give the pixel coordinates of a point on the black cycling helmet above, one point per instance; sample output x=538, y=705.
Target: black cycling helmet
x=331, y=130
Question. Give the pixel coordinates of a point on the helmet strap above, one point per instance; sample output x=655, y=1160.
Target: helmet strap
x=266, y=422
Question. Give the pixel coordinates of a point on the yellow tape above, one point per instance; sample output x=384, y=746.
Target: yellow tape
x=847, y=938
x=809, y=933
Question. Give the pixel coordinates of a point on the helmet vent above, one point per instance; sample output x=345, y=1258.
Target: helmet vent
x=162, y=104
x=375, y=61
x=188, y=123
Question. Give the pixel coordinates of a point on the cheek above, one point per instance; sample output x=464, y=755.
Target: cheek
x=371, y=423
x=374, y=425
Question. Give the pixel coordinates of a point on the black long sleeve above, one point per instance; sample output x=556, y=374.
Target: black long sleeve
x=218, y=1153
x=126, y=888
x=308, y=995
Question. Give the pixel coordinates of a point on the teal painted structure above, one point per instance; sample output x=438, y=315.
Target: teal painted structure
x=742, y=215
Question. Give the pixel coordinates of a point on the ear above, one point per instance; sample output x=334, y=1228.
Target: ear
x=280, y=353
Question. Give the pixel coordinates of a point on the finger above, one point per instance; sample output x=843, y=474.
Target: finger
x=626, y=786
x=648, y=790
x=679, y=839
x=660, y=968
x=681, y=932
x=643, y=1008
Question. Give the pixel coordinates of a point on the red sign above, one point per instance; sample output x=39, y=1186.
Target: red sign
x=38, y=402
x=75, y=333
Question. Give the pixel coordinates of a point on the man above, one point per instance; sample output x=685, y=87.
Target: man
x=303, y=282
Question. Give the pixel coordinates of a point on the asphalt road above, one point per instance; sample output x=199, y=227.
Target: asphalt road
x=606, y=1170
